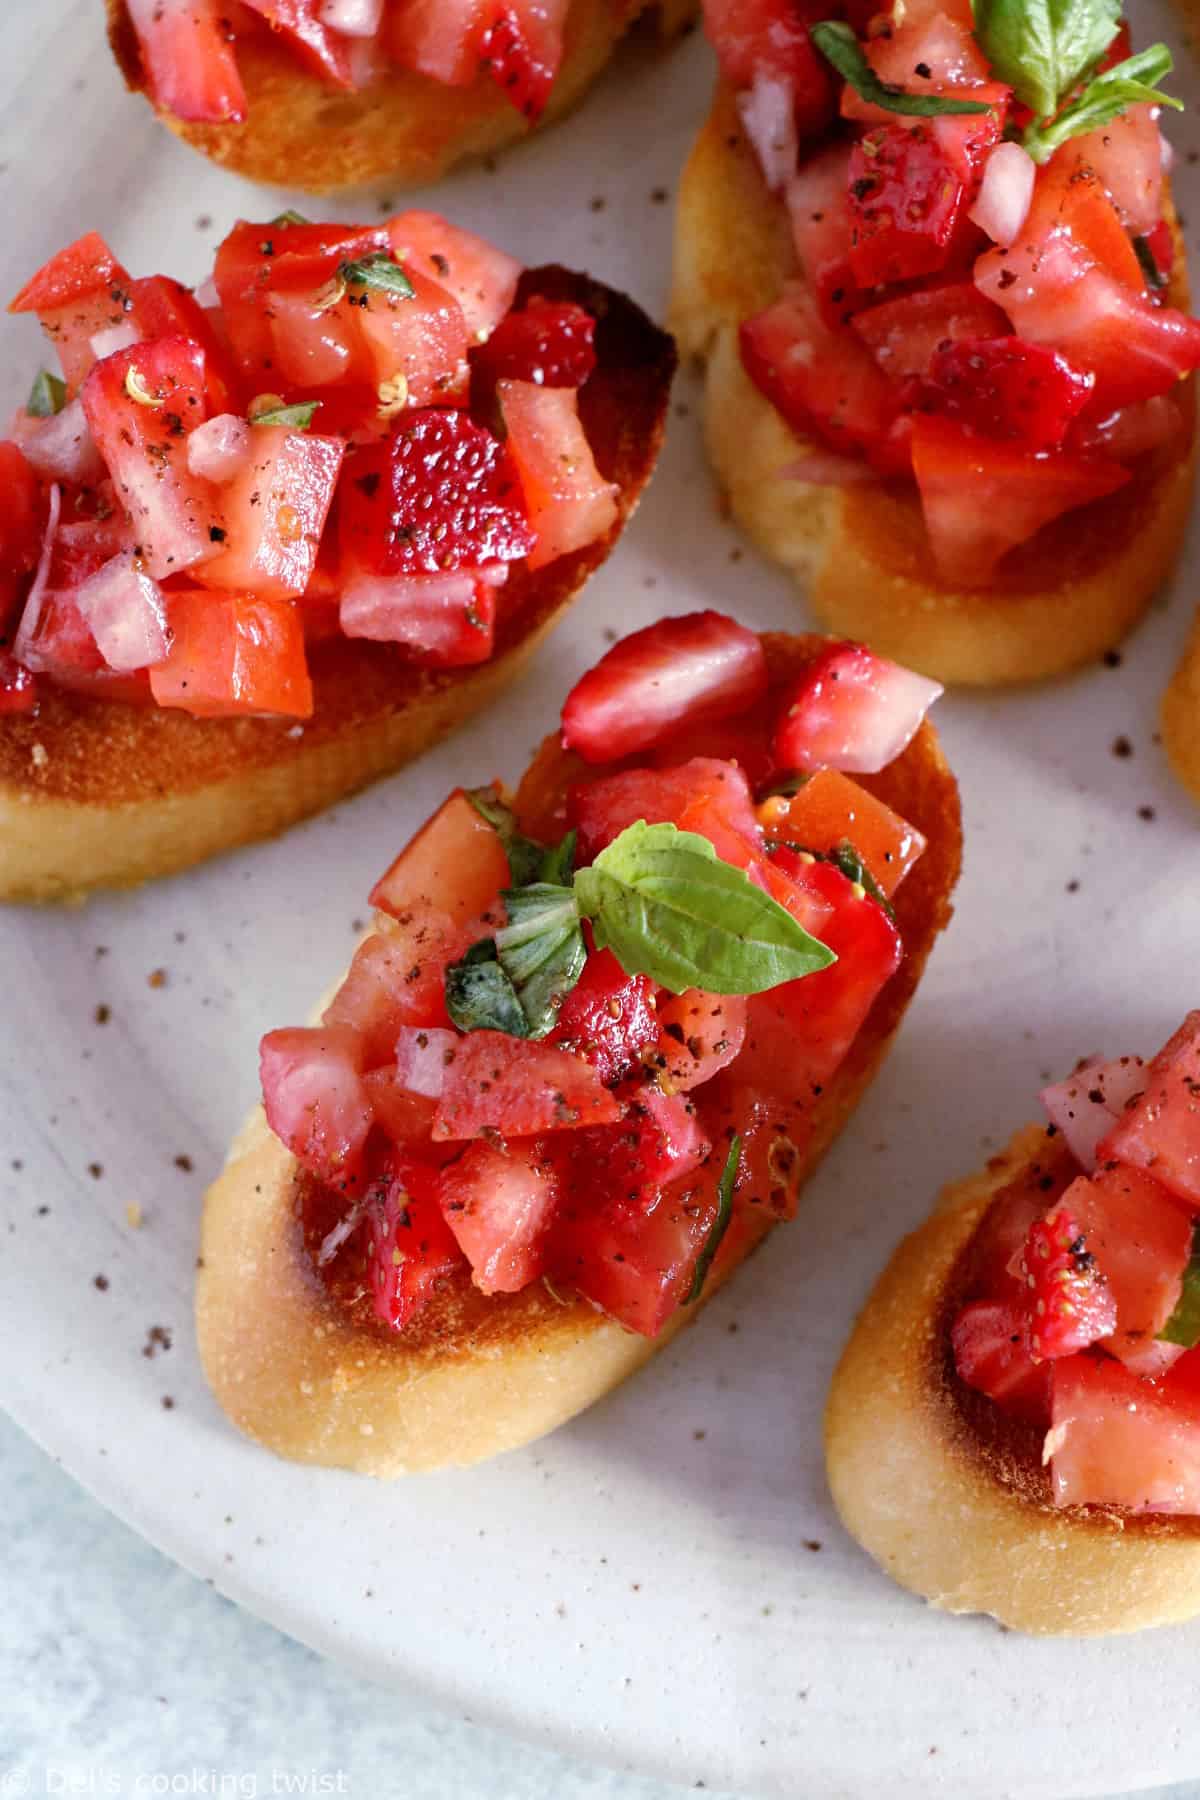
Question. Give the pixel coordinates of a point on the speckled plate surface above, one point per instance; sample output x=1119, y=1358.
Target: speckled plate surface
x=663, y=1584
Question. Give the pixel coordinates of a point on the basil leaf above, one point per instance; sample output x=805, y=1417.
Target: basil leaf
x=720, y=1224
x=838, y=45
x=541, y=950
x=525, y=857
x=480, y=996
x=558, y=863
x=667, y=907
x=1150, y=269
x=785, y=786
x=290, y=217
x=1183, y=1326
x=297, y=418
x=382, y=272
x=1044, y=48
x=47, y=396
x=1103, y=99
x=847, y=859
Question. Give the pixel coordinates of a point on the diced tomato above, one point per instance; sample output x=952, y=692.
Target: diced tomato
x=990, y=1343
x=523, y=48
x=314, y=1099
x=412, y=1247
x=745, y=741
x=233, y=654
x=982, y=498
x=1126, y=157
x=455, y=863
x=273, y=513
x=439, y=494
x=22, y=525
x=165, y=308
x=438, y=38
x=699, y=1035
x=256, y=260
x=518, y=1088
x=499, y=1204
x=1141, y=1240
x=395, y=981
x=312, y=344
x=903, y=334
x=18, y=688
x=680, y=672
x=1068, y=1302
x=608, y=1017
x=703, y=795
x=1160, y=1129
x=53, y=637
x=930, y=52
x=635, y=1262
x=660, y=1141
x=546, y=342
x=417, y=342
x=822, y=382
x=442, y=620
x=1090, y=1102
x=1119, y=1441
x=80, y=292
x=1005, y=388
x=850, y=709
x=830, y=810
x=140, y=405
x=188, y=59
x=770, y=38
x=569, y=502
x=405, y=1118
x=482, y=279
x=299, y=22
x=999, y=1239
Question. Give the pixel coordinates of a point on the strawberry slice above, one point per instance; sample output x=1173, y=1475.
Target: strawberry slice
x=823, y=382
x=1004, y=388
x=412, y=1247
x=546, y=342
x=851, y=710
x=522, y=48
x=1068, y=1302
x=607, y=1017
x=440, y=494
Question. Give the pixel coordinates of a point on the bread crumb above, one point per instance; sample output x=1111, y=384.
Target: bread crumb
x=133, y=1216
x=157, y=978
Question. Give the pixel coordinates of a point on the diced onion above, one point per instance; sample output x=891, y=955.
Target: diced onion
x=1088, y=1104
x=354, y=18
x=768, y=115
x=25, y=641
x=217, y=449
x=113, y=338
x=1002, y=204
x=61, y=446
x=126, y=613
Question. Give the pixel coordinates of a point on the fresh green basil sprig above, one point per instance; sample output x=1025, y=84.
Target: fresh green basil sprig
x=1183, y=1326
x=659, y=898
x=720, y=1224
x=839, y=46
x=47, y=396
x=1103, y=99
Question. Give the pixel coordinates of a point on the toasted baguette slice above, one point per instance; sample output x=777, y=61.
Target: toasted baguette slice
x=948, y=1494
x=861, y=551
x=99, y=794
x=473, y=1375
x=1181, y=715
x=300, y=132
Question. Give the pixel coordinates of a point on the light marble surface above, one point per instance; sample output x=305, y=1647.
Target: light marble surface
x=120, y=1671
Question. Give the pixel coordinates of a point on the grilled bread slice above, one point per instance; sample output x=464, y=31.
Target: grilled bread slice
x=1181, y=715
x=302, y=132
x=947, y=1493
x=99, y=794
x=861, y=551
x=472, y=1376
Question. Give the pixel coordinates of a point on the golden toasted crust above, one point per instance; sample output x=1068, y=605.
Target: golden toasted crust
x=1181, y=714
x=862, y=551
x=949, y=1496
x=300, y=132
x=94, y=793
x=473, y=1376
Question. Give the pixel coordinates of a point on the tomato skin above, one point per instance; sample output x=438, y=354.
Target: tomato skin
x=165, y=308
x=422, y=338
x=299, y=22
x=607, y=1017
x=499, y=1204
x=273, y=513
x=254, y=261
x=233, y=654
x=829, y=809
x=822, y=382
x=84, y=268
x=314, y=1099
x=517, y=1087
x=380, y=996
x=455, y=863
x=660, y=1142
x=1160, y=1131
x=699, y=1035
x=1120, y=1441
x=437, y=39
x=676, y=674
x=569, y=502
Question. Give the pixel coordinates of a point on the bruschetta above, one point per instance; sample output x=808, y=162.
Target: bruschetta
x=591, y=1051
x=325, y=95
x=264, y=542
x=947, y=347
x=1014, y=1427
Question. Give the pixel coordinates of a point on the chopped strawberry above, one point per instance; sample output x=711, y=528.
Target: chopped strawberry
x=438, y=38
x=1159, y=1129
x=22, y=526
x=439, y=494
x=523, y=47
x=702, y=795
x=699, y=1035
x=273, y=512
x=1004, y=388
x=850, y=710
x=546, y=342
x=412, y=1248
x=818, y=204
x=823, y=382
x=570, y=503
x=660, y=1141
x=1068, y=1303
x=635, y=1261
x=686, y=671
x=909, y=189
x=769, y=39
x=314, y=1098
x=608, y=1017
x=990, y=1343
x=503, y=1086
x=903, y=334
x=187, y=54
x=18, y=688
x=499, y=1204
x=300, y=23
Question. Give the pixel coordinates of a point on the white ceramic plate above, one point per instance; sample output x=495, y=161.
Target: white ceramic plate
x=663, y=1583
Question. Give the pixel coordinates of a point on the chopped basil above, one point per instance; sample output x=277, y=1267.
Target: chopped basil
x=1150, y=269
x=1103, y=99
x=848, y=860
x=297, y=418
x=1044, y=48
x=382, y=272
x=479, y=995
x=720, y=1224
x=785, y=786
x=558, y=864
x=1183, y=1326
x=47, y=396
x=838, y=45
x=541, y=950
